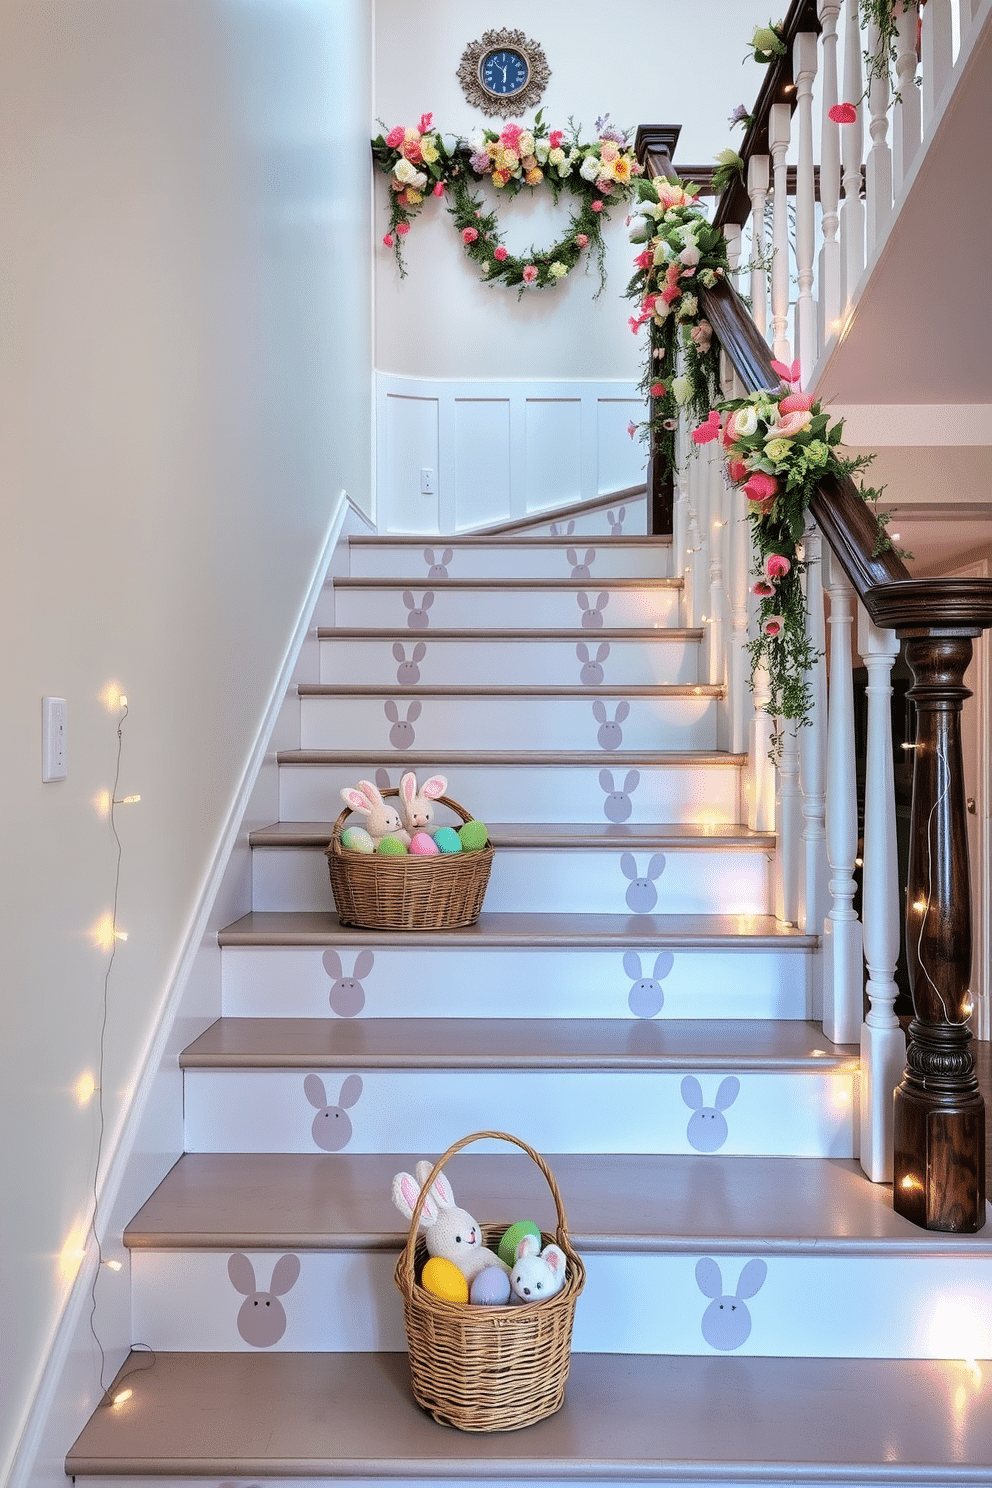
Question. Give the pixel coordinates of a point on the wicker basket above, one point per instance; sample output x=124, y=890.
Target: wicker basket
x=488, y=1368
x=408, y=892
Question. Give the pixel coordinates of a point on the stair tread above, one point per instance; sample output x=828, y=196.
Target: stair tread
x=525, y=1043
x=544, y=633
x=637, y=835
x=625, y=1418
x=323, y=928
x=618, y=758
x=537, y=540
x=644, y=1204
x=461, y=690
x=586, y=586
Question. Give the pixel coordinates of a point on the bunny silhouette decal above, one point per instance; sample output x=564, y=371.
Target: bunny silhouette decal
x=592, y=673
x=592, y=615
x=408, y=671
x=562, y=529
x=618, y=806
x=347, y=995
x=610, y=735
x=727, y=1322
x=707, y=1130
x=332, y=1128
x=646, y=999
x=580, y=566
x=615, y=520
x=438, y=567
x=418, y=618
x=262, y=1319
x=401, y=735
x=642, y=896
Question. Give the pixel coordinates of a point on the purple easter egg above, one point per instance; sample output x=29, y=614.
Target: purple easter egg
x=490, y=1288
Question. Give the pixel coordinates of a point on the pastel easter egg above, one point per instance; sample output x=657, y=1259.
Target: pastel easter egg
x=507, y=1248
x=447, y=840
x=391, y=847
x=491, y=1288
x=423, y=846
x=444, y=1280
x=356, y=839
x=473, y=835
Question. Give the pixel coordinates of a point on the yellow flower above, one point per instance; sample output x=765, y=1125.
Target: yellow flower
x=414, y=198
x=778, y=450
x=621, y=169
x=556, y=157
x=534, y=177
x=428, y=150
x=557, y=270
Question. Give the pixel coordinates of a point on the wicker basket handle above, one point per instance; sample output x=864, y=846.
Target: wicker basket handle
x=392, y=790
x=406, y=1266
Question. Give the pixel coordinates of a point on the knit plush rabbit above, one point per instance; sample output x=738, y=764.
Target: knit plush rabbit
x=416, y=804
x=451, y=1232
x=381, y=819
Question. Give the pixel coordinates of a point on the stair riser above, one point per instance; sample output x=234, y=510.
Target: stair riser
x=427, y=982
x=385, y=560
x=496, y=661
x=809, y=1306
x=779, y=1112
x=606, y=792
x=504, y=721
x=579, y=881
x=505, y=608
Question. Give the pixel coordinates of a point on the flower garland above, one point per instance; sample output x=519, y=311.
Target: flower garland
x=420, y=163
x=778, y=444
x=682, y=362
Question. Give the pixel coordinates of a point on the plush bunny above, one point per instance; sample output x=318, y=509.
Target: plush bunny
x=381, y=819
x=537, y=1274
x=415, y=804
x=451, y=1233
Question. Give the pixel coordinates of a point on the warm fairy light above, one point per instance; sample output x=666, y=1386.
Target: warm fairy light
x=72, y=1252
x=105, y=932
x=84, y=1087
x=103, y=802
x=112, y=698
x=958, y=1330
x=919, y=905
x=121, y=1396
x=910, y=1182
x=114, y=1265
x=128, y=801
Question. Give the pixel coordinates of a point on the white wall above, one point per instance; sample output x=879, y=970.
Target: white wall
x=648, y=62
x=185, y=334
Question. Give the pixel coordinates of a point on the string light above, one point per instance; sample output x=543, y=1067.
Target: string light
x=84, y=1088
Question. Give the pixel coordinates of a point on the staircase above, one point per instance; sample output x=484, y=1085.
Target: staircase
x=755, y=1312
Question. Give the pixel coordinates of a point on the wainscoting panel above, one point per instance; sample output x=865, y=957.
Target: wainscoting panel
x=499, y=451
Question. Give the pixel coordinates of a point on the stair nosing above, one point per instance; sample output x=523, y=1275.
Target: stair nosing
x=524, y=757
x=583, y=586
x=538, y=633
x=467, y=690
x=517, y=836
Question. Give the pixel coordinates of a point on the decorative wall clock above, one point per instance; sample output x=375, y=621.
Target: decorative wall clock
x=504, y=73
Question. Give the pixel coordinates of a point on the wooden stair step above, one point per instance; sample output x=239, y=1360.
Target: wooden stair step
x=665, y=1419
x=639, y=837
x=623, y=690
x=491, y=584
x=619, y=759
x=536, y=633
x=540, y=931
x=634, y=1203
x=525, y=1044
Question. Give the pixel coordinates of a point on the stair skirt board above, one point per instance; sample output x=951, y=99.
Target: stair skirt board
x=605, y=785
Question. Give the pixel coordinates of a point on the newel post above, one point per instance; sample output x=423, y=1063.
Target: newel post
x=939, y=1114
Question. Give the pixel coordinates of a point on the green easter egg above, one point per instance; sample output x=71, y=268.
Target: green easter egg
x=473, y=835
x=391, y=848
x=447, y=840
x=356, y=839
x=507, y=1249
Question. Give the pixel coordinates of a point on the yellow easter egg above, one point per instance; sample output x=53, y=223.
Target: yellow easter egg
x=444, y=1280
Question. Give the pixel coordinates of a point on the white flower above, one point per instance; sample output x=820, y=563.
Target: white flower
x=688, y=305
x=405, y=172
x=689, y=256
x=681, y=387
x=526, y=145
x=542, y=152
x=477, y=140
x=589, y=169
x=745, y=421
x=556, y=157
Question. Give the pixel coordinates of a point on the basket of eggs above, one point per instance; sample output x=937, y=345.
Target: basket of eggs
x=398, y=871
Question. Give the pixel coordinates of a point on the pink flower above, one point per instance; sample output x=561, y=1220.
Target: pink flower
x=670, y=292
x=597, y=206
x=582, y=239
x=648, y=303
x=707, y=431
x=793, y=423
x=631, y=428
x=402, y=228
x=410, y=150
x=791, y=375
x=763, y=589
x=672, y=273
x=555, y=138
x=761, y=486
x=499, y=253
x=438, y=188
x=425, y=123
x=657, y=390
x=469, y=234
x=511, y=136
x=737, y=470
x=388, y=240
x=395, y=137
x=796, y=403
x=645, y=260
x=772, y=625
x=635, y=322
x=530, y=273
x=843, y=113
x=777, y=566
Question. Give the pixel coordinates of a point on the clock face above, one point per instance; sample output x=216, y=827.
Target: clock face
x=504, y=71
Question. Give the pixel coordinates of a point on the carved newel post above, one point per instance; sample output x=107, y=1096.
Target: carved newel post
x=939, y=1141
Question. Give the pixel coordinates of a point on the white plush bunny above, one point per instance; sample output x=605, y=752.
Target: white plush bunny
x=415, y=805
x=451, y=1232
x=381, y=819
x=536, y=1274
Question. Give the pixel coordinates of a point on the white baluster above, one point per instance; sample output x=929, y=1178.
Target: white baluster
x=804, y=69
x=883, y=1045
x=829, y=277
x=779, y=125
x=760, y=784
x=878, y=170
x=843, y=974
x=680, y=526
x=852, y=211
x=813, y=749
x=906, y=119
x=699, y=534
x=789, y=826
x=757, y=188
x=935, y=53
x=717, y=606
x=739, y=662
x=732, y=235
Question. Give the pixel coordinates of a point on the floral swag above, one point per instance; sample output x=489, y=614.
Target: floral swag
x=421, y=163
